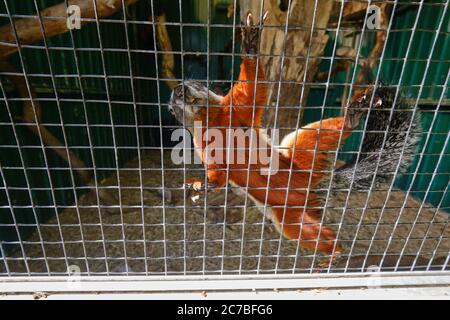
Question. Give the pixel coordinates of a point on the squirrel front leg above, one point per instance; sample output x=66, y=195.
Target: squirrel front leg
x=241, y=97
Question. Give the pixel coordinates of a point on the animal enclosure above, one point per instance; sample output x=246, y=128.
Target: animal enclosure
x=88, y=181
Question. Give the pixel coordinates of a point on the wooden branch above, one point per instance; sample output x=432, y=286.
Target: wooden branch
x=381, y=35
x=370, y=63
x=352, y=15
x=32, y=109
x=168, y=61
x=354, y=9
x=29, y=29
x=347, y=55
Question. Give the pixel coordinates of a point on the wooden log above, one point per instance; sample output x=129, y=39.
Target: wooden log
x=29, y=29
x=367, y=65
x=32, y=109
x=165, y=45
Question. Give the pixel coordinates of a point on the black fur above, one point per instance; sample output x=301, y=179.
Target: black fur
x=372, y=153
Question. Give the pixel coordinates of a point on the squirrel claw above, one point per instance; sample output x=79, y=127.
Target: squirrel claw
x=196, y=188
x=199, y=186
x=250, y=35
x=354, y=117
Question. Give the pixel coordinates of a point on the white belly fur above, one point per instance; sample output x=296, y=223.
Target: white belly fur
x=269, y=212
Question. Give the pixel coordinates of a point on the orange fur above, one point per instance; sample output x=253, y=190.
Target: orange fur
x=243, y=93
x=306, y=149
x=287, y=201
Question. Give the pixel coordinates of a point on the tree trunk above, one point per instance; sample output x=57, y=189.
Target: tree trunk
x=294, y=45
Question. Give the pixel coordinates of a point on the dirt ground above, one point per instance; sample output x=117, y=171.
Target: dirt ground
x=174, y=236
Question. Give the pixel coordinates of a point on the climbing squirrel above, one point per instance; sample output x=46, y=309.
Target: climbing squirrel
x=303, y=156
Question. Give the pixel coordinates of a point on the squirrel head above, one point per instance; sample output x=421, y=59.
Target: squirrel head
x=189, y=102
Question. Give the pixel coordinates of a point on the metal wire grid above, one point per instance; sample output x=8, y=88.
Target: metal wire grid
x=7, y=259
x=409, y=128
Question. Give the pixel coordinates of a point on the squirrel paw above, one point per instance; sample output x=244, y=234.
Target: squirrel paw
x=196, y=188
x=250, y=35
x=198, y=185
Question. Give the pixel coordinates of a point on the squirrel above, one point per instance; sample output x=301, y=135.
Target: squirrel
x=303, y=155
x=292, y=209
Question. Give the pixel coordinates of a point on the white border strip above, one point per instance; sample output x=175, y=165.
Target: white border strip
x=226, y=284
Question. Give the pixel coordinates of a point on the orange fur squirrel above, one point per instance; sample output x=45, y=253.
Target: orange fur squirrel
x=244, y=106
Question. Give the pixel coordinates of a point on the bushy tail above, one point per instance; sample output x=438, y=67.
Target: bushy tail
x=376, y=159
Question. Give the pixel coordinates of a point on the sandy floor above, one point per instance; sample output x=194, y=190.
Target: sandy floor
x=179, y=239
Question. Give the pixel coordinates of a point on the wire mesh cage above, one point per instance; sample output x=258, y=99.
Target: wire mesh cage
x=88, y=179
